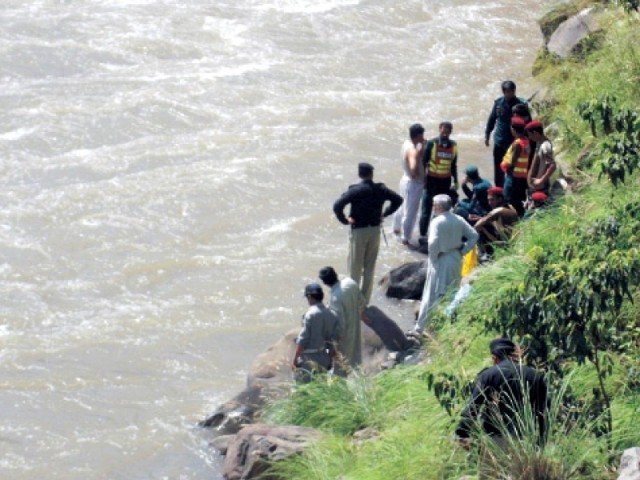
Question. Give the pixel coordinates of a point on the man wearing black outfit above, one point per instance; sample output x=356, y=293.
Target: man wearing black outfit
x=366, y=199
x=500, y=119
x=499, y=396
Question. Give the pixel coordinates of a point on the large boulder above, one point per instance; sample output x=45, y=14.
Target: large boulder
x=256, y=446
x=407, y=281
x=630, y=464
x=572, y=32
x=269, y=377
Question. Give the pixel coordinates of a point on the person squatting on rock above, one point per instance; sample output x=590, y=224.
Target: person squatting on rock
x=411, y=184
x=440, y=160
x=315, y=345
x=496, y=226
x=497, y=403
x=450, y=238
x=516, y=165
x=367, y=200
x=347, y=302
x=500, y=119
x=476, y=202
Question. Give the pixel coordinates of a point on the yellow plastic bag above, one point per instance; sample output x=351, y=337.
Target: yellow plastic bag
x=469, y=262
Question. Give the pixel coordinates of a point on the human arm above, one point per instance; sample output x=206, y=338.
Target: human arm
x=545, y=155
x=395, y=202
x=426, y=153
x=472, y=238
x=469, y=415
x=465, y=188
x=296, y=355
x=413, y=159
x=454, y=168
x=338, y=207
x=491, y=123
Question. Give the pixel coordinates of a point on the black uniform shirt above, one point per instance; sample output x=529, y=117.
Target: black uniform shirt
x=366, y=199
x=498, y=393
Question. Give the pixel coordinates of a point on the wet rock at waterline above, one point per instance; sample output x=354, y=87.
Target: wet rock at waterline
x=256, y=446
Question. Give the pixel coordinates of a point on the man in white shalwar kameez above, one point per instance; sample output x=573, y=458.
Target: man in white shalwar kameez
x=450, y=238
x=348, y=303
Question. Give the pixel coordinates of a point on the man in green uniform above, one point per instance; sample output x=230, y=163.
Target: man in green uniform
x=316, y=342
x=440, y=160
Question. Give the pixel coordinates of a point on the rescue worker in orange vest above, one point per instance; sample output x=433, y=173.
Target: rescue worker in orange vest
x=516, y=166
x=440, y=158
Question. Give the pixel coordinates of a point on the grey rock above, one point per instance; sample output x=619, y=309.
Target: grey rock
x=406, y=281
x=256, y=446
x=571, y=32
x=630, y=464
x=221, y=444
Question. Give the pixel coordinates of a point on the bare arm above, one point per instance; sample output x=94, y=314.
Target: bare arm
x=413, y=157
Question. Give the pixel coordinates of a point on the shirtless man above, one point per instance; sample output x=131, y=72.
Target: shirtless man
x=411, y=184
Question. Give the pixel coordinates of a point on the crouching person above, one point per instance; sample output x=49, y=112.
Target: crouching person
x=508, y=401
x=315, y=346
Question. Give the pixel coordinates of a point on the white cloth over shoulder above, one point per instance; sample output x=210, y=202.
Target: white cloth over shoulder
x=347, y=302
x=444, y=263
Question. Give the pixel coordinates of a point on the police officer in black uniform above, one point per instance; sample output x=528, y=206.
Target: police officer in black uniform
x=500, y=392
x=367, y=200
x=500, y=119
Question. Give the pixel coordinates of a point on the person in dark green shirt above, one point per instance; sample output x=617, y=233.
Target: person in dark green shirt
x=500, y=121
x=476, y=202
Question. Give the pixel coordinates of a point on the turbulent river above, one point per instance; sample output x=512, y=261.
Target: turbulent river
x=167, y=173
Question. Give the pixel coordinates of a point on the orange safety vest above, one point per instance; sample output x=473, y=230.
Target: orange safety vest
x=522, y=163
x=441, y=159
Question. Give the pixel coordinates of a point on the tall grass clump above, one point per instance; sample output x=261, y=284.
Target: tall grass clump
x=341, y=406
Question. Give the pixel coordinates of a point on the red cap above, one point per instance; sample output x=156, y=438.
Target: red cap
x=539, y=196
x=495, y=191
x=534, y=124
x=517, y=121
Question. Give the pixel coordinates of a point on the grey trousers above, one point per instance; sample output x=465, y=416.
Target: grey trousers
x=364, y=244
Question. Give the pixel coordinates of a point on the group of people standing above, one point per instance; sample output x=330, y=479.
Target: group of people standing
x=449, y=227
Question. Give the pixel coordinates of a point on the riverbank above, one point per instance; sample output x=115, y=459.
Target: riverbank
x=563, y=288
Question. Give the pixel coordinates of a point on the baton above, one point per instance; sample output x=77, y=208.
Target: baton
x=384, y=235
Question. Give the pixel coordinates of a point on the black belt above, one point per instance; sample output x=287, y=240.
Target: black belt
x=355, y=227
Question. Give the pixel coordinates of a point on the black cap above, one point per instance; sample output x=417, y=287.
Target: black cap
x=365, y=169
x=502, y=347
x=312, y=289
x=328, y=275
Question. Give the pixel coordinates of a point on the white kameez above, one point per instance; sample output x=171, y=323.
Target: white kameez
x=444, y=263
x=347, y=302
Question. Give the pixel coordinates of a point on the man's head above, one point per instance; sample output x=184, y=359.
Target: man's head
x=416, y=133
x=365, y=171
x=535, y=131
x=441, y=204
x=495, y=197
x=313, y=292
x=508, y=89
x=502, y=349
x=328, y=276
x=539, y=199
x=517, y=127
x=521, y=110
x=472, y=173
x=445, y=129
